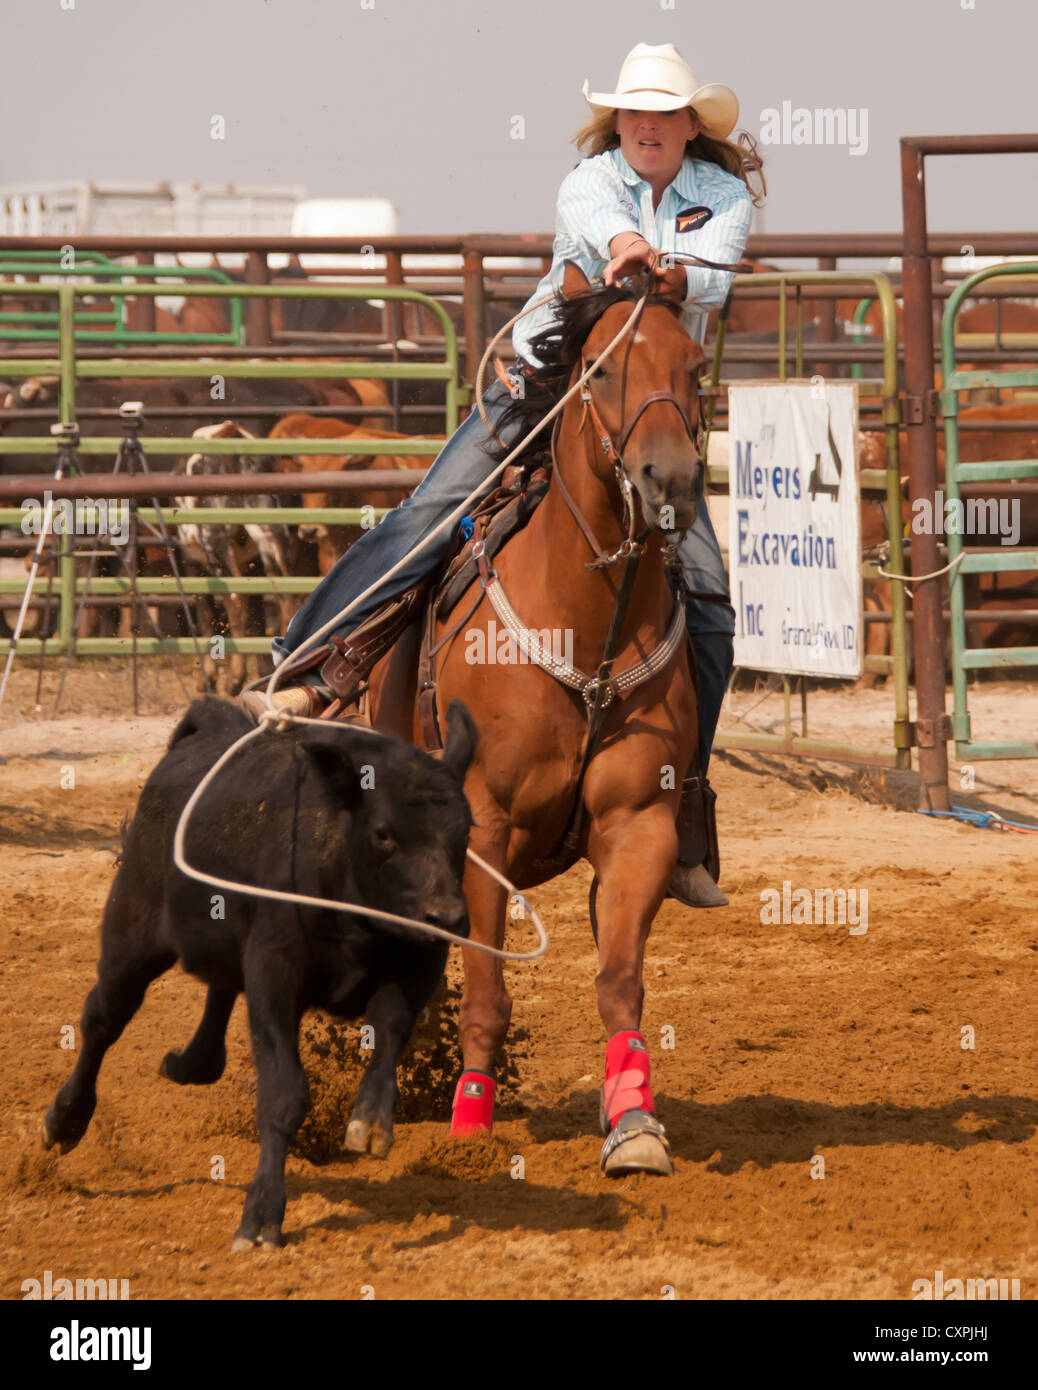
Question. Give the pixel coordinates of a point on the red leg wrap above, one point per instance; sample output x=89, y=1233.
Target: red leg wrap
x=473, y=1103
x=627, y=1076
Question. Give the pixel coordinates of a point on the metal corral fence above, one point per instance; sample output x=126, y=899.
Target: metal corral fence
x=479, y=286
x=69, y=368
x=933, y=726
x=474, y=270
x=41, y=325
x=959, y=477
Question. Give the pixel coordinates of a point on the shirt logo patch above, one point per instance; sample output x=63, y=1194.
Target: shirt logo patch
x=628, y=207
x=691, y=219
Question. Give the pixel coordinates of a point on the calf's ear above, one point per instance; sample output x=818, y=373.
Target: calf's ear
x=328, y=756
x=462, y=737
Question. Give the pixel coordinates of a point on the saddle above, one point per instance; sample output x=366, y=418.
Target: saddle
x=346, y=663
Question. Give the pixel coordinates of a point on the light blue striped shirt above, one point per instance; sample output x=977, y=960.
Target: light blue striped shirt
x=603, y=196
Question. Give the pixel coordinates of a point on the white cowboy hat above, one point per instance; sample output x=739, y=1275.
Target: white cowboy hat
x=659, y=79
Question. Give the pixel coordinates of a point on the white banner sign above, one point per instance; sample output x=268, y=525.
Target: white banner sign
x=794, y=527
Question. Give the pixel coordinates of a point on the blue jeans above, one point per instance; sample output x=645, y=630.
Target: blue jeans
x=459, y=468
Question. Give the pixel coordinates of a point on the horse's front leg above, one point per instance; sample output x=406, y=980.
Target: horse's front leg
x=486, y=1006
x=633, y=852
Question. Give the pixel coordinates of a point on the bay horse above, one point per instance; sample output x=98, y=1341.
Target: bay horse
x=532, y=729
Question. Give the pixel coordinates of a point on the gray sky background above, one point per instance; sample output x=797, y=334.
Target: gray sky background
x=413, y=99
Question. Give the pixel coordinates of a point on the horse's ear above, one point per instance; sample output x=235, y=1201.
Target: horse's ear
x=671, y=285
x=574, y=281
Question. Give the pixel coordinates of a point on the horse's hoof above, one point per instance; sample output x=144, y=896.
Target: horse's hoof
x=240, y=1243
x=636, y=1144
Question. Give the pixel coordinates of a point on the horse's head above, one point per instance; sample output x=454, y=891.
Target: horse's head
x=645, y=396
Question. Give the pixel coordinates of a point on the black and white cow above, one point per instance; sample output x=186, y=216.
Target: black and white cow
x=230, y=551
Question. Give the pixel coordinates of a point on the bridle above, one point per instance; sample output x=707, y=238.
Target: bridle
x=615, y=451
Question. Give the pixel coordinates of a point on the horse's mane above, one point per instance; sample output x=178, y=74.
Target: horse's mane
x=558, y=347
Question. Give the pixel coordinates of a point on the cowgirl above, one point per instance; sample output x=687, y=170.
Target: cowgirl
x=659, y=175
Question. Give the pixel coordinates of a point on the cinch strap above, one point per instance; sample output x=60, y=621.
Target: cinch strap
x=473, y=1103
x=627, y=1076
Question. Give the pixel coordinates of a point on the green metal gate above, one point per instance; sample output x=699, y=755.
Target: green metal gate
x=101, y=325
x=64, y=586
x=980, y=560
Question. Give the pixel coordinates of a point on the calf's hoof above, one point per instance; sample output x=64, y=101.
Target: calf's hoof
x=185, y=1071
x=269, y=1238
x=637, y=1143
x=62, y=1130
x=48, y=1140
x=368, y=1136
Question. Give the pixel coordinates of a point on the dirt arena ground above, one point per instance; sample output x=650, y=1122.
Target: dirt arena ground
x=792, y=1044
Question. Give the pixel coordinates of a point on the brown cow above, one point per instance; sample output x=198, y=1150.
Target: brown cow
x=332, y=541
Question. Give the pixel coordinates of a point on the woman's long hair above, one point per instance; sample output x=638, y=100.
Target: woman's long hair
x=740, y=157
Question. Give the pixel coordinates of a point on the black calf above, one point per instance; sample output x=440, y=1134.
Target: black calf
x=330, y=813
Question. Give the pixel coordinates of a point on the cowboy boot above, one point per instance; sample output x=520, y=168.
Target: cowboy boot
x=694, y=880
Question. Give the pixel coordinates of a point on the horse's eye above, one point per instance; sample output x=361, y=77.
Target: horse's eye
x=598, y=373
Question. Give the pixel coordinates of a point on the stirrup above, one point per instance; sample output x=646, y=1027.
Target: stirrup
x=693, y=886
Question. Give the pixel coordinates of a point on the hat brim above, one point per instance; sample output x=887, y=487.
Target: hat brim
x=716, y=106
